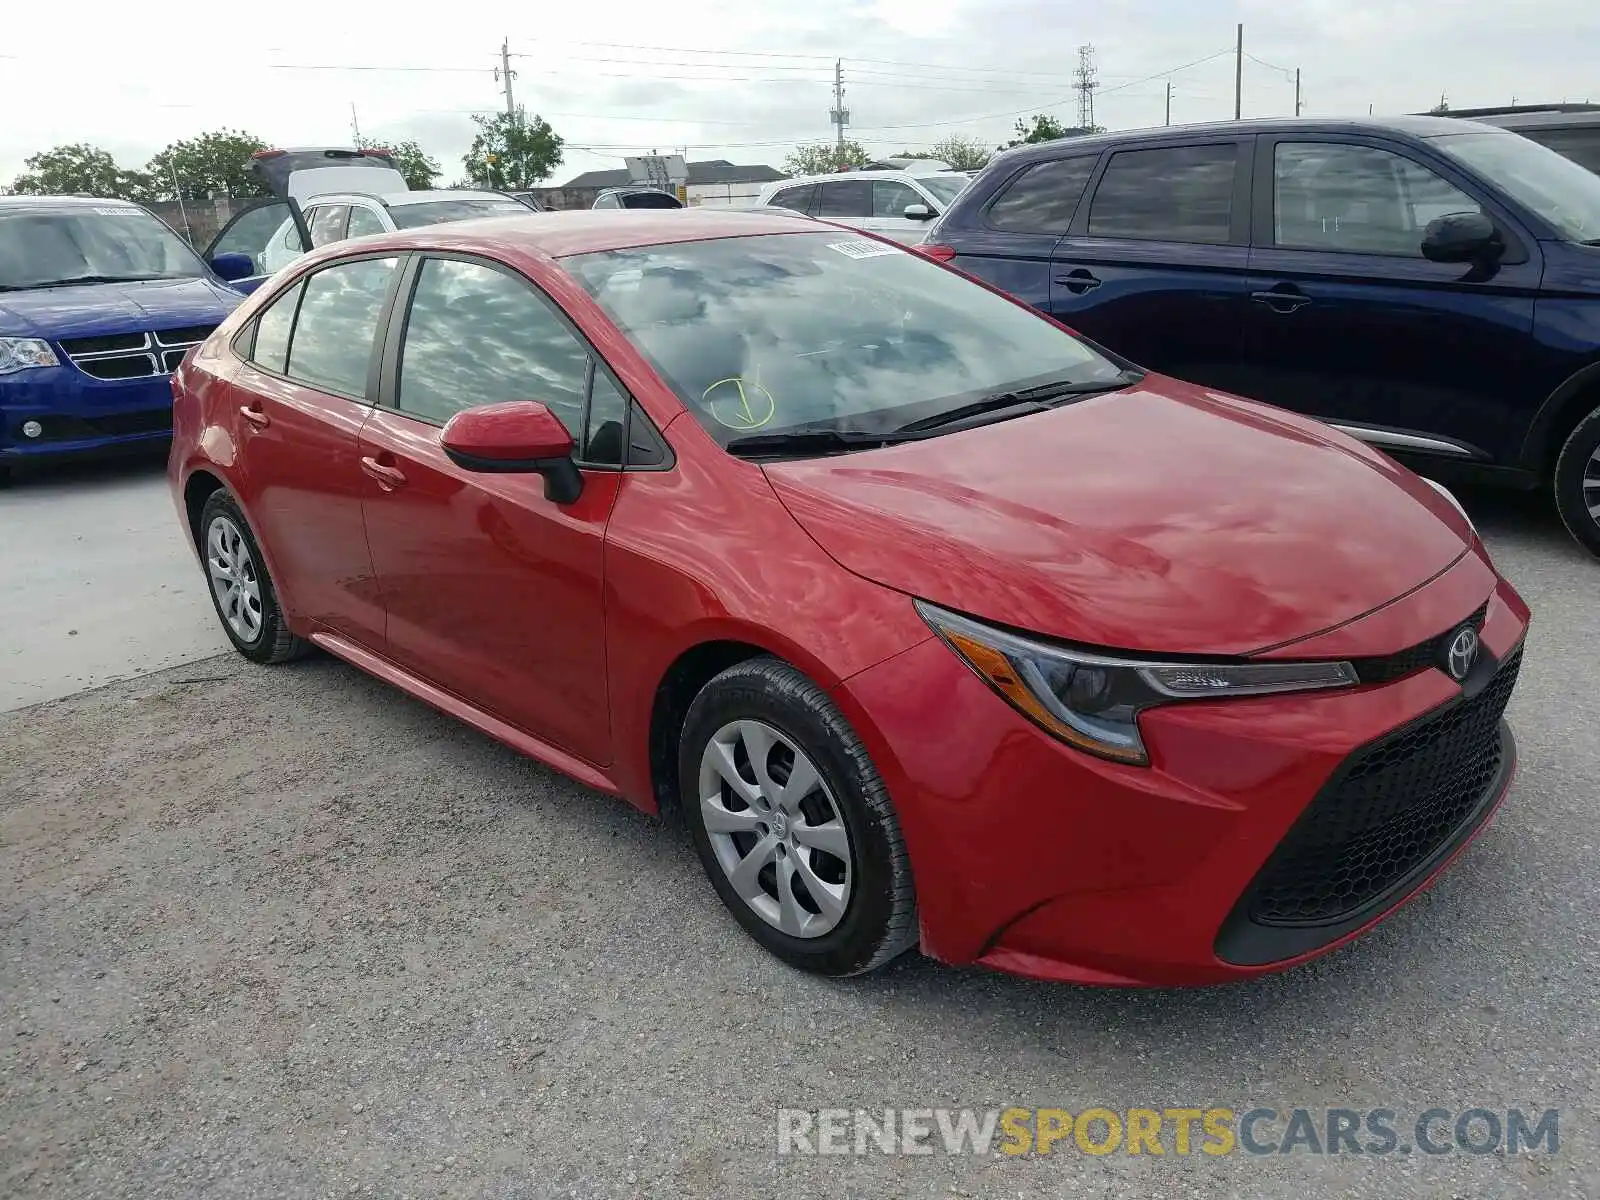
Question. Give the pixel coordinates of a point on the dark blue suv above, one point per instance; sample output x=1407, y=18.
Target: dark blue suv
x=1431, y=286
x=99, y=302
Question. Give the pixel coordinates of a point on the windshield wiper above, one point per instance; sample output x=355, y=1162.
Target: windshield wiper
x=811, y=441
x=77, y=279
x=1025, y=400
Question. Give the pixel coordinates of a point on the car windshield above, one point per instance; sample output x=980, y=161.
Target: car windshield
x=433, y=212
x=944, y=187
x=94, y=243
x=820, y=331
x=1555, y=187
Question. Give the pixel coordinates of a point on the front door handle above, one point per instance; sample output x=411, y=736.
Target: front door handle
x=1285, y=301
x=1079, y=281
x=255, y=416
x=388, y=477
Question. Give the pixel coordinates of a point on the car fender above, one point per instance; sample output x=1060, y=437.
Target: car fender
x=1550, y=422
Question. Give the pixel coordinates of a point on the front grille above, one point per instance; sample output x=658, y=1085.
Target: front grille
x=134, y=355
x=1388, y=812
x=1430, y=653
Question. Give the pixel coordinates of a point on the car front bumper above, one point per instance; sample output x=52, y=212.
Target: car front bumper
x=1266, y=831
x=78, y=413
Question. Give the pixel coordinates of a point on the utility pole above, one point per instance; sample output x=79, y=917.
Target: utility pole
x=1085, y=86
x=1297, y=91
x=1238, y=76
x=355, y=125
x=506, y=74
x=1169, y=102
x=838, y=114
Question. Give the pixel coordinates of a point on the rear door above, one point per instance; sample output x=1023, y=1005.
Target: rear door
x=493, y=591
x=1348, y=322
x=1155, y=265
x=303, y=397
x=847, y=201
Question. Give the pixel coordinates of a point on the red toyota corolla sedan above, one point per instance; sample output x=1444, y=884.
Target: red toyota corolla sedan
x=937, y=622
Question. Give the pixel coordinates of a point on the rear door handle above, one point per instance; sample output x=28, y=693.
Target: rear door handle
x=1078, y=282
x=255, y=416
x=388, y=477
x=1282, y=302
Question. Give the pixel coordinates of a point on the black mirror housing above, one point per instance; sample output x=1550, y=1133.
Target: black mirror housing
x=1466, y=237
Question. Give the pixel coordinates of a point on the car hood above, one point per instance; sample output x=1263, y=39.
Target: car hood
x=1164, y=518
x=95, y=308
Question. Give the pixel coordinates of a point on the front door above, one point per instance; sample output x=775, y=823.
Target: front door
x=1155, y=264
x=493, y=592
x=272, y=233
x=302, y=402
x=1348, y=322
x=890, y=199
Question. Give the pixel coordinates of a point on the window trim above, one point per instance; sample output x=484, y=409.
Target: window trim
x=1263, y=233
x=1241, y=209
x=386, y=387
x=1097, y=156
x=380, y=335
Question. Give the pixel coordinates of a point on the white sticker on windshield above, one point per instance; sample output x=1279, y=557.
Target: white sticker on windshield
x=127, y=211
x=862, y=249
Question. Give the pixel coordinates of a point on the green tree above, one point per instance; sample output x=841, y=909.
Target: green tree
x=1043, y=128
x=962, y=153
x=823, y=157
x=213, y=164
x=512, y=151
x=80, y=168
x=410, y=160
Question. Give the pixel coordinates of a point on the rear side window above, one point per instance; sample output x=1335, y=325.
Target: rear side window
x=364, y=221
x=1170, y=194
x=1582, y=146
x=846, y=198
x=327, y=224
x=1043, y=198
x=272, y=332
x=795, y=199
x=332, y=344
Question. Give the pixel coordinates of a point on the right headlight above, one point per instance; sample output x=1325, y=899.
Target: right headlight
x=1092, y=701
x=18, y=354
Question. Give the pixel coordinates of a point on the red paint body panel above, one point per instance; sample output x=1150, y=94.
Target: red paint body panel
x=1164, y=518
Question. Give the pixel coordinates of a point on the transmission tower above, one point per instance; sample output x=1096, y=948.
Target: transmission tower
x=1085, y=86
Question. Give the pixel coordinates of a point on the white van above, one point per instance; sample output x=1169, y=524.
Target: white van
x=897, y=204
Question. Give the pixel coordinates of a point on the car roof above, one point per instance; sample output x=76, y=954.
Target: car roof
x=778, y=185
x=398, y=199
x=1411, y=126
x=583, y=231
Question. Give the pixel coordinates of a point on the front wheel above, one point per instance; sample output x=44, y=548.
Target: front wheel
x=793, y=824
x=1577, y=482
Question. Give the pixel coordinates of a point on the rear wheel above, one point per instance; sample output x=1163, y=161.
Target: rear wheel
x=1577, y=482
x=792, y=823
x=241, y=589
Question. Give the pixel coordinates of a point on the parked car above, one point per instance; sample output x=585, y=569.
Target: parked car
x=336, y=216
x=529, y=199
x=934, y=620
x=635, y=197
x=99, y=300
x=1430, y=285
x=1572, y=130
x=896, y=204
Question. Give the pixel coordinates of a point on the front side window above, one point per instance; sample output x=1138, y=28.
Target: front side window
x=780, y=332
x=1556, y=188
x=1359, y=199
x=327, y=224
x=1043, y=198
x=271, y=351
x=1170, y=194
x=891, y=199
x=945, y=188
x=98, y=243
x=266, y=233
x=847, y=198
x=331, y=348
x=476, y=335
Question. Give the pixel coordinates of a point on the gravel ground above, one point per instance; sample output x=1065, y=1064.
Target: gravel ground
x=283, y=932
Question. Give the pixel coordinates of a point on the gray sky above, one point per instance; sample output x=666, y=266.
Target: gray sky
x=745, y=80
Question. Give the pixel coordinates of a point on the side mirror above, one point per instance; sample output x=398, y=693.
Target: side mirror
x=1466, y=237
x=918, y=212
x=233, y=265
x=517, y=436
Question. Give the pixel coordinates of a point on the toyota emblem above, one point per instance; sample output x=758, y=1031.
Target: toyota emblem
x=1463, y=652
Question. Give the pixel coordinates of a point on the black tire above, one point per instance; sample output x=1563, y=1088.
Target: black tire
x=880, y=915
x=1577, y=473
x=272, y=642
